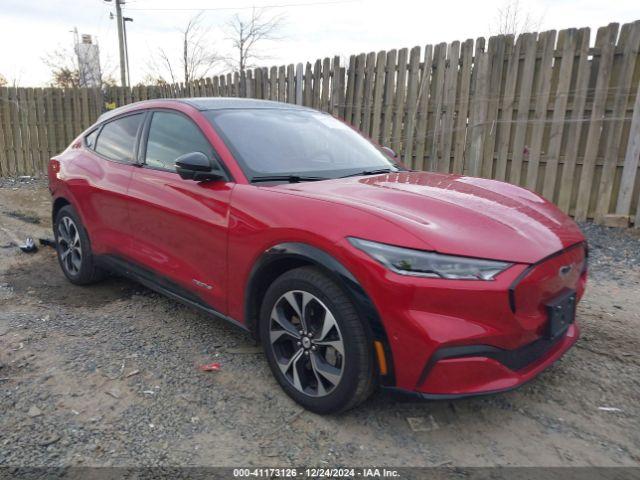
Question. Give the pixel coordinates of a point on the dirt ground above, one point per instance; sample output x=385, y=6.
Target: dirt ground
x=108, y=375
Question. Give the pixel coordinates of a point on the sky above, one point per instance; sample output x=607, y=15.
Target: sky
x=31, y=29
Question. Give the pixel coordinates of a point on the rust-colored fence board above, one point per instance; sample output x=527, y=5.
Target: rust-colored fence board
x=544, y=110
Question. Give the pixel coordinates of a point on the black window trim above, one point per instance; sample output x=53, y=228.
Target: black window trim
x=137, y=141
x=144, y=139
x=90, y=132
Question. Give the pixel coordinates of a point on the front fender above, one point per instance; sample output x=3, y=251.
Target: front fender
x=285, y=256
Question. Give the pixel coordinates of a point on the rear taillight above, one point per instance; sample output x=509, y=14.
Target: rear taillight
x=54, y=165
x=54, y=173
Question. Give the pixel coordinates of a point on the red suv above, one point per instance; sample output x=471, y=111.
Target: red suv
x=351, y=270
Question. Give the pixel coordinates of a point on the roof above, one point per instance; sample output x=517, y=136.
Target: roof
x=209, y=103
x=220, y=103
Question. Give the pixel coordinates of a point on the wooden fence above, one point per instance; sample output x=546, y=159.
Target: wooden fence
x=546, y=111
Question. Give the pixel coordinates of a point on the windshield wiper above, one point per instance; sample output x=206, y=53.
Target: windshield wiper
x=369, y=172
x=286, y=178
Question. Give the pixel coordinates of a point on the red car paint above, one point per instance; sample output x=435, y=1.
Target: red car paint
x=148, y=217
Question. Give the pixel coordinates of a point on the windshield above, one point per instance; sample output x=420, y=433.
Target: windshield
x=268, y=142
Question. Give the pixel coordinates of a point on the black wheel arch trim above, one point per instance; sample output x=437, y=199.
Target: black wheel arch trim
x=56, y=205
x=303, y=253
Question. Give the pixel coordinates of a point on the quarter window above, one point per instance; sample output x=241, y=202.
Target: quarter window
x=170, y=136
x=90, y=140
x=117, y=139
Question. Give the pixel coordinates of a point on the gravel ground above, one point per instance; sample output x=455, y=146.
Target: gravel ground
x=108, y=375
x=610, y=249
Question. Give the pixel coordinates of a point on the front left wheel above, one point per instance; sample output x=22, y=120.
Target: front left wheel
x=74, y=249
x=316, y=345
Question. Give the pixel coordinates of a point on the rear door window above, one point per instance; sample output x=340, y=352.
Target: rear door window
x=170, y=136
x=117, y=139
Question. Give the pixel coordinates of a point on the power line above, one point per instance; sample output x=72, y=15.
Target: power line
x=282, y=5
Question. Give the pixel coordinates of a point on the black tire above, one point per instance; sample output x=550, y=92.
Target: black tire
x=86, y=272
x=357, y=378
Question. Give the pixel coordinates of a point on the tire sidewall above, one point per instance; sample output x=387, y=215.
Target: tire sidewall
x=346, y=388
x=85, y=267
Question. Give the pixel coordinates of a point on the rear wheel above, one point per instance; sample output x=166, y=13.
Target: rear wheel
x=74, y=249
x=315, y=343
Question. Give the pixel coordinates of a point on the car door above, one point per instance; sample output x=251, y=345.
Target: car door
x=99, y=180
x=179, y=227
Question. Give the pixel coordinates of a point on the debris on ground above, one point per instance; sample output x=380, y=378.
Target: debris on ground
x=210, y=367
x=609, y=409
x=29, y=246
x=115, y=393
x=47, y=242
x=422, y=424
x=34, y=412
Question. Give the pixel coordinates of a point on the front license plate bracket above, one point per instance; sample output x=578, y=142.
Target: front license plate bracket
x=561, y=313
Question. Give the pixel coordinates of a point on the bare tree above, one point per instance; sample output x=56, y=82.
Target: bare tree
x=512, y=19
x=65, y=72
x=246, y=33
x=150, y=79
x=64, y=68
x=3, y=81
x=197, y=59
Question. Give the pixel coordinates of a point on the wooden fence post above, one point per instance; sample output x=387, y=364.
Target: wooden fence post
x=630, y=43
x=547, y=42
x=567, y=42
x=607, y=47
x=299, y=84
x=575, y=127
x=630, y=173
x=450, y=89
x=529, y=48
x=422, y=111
x=5, y=169
x=463, y=105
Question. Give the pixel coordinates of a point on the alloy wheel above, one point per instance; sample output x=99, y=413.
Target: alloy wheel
x=307, y=343
x=69, y=247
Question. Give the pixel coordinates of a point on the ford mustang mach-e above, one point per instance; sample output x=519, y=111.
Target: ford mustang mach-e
x=350, y=269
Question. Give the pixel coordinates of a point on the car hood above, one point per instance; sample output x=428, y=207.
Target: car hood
x=457, y=214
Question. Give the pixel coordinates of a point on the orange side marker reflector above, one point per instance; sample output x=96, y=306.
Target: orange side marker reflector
x=382, y=360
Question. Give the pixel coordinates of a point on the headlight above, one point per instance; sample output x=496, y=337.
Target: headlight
x=406, y=261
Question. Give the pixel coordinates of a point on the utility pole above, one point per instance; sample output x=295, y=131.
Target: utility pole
x=126, y=47
x=121, y=42
x=123, y=65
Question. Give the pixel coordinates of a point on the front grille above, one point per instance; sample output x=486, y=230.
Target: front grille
x=524, y=293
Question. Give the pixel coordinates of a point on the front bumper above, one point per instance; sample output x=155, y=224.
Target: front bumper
x=484, y=369
x=452, y=338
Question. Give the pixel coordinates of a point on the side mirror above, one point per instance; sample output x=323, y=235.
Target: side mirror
x=197, y=166
x=390, y=152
